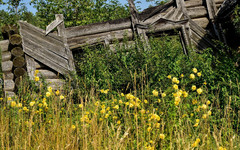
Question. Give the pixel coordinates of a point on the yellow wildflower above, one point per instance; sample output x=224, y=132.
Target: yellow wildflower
x=197, y=120
x=97, y=103
x=19, y=105
x=208, y=102
x=155, y=92
x=222, y=148
x=80, y=105
x=205, y=83
x=204, y=106
x=48, y=94
x=57, y=92
x=61, y=97
x=116, y=107
x=175, y=86
x=36, y=78
x=169, y=76
x=122, y=94
x=142, y=111
x=13, y=104
x=174, y=80
x=162, y=136
x=115, y=117
x=199, y=91
x=163, y=94
x=194, y=70
x=192, y=76
x=36, y=72
x=106, y=116
x=1, y=99
x=204, y=116
x=73, y=127
x=199, y=74
x=185, y=94
x=32, y=103
x=157, y=125
x=120, y=101
x=25, y=108
x=49, y=89
x=149, y=129
x=195, y=125
x=9, y=98
x=145, y=101
x=194, y=87
x=182, y=75
x=118, y=122
x=194, y=101
x=209, y=113
x=108, y=108
x=159, y=100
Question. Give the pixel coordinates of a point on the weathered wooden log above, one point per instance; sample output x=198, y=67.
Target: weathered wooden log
x=56, y=84
x=13, y=29
x=4, y=45
x=18, y=72
x=9, y=85
x=17, y=51
x=8, y=76
x=6, y=56
x=5, y=32
x=9, y=94
x=15, y=39
x=195, y=3
x=197, y=12
x=119, y=24
x=19, y=62
x=96, y=38
x=7, y=66
x=30, y=66
x=47, y=74
x=18, y=81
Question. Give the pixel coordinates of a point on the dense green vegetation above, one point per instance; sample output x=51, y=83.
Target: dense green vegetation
x=127, y=97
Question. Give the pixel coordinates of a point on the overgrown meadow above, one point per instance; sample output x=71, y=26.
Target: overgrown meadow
x=130, y=98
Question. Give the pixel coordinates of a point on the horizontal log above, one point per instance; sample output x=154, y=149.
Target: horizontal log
x=8, y=76
x=15, y=39
x=9, y=94
x=56, y=84
x=18, y=72
x=5, y=31
x=9, y=85
x=17, y=51
x=96, y=28
x=7, y=66
x=197, y=12
x=194, y=3
x=4, y=45
x=96, y=38
x=19, y=62
x=13, y=29
x=47, y=74
x=202, y=22
x=6, y=56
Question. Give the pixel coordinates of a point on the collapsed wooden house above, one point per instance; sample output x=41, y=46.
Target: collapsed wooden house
x=50, y=53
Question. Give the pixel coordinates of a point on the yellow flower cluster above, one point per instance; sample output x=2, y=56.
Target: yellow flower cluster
x=104, y=91
x=195, y=144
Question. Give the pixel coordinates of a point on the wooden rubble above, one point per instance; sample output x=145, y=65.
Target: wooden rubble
x=51, y=53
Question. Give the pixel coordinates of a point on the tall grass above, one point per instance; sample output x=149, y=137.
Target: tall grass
x=129, y=99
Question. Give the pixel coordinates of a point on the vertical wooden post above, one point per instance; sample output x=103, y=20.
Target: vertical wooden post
x=135, y=20
x=62, y=33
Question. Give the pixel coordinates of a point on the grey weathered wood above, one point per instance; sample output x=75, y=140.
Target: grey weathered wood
x=181, y=5
x=56, y=84
x=212, y=9
x=9, y=94
x=47, y=74
x=6, y=56
x=34, y=30
x=39, y=65
x=43, y=53
x=9, y=85
x=8, y=75
x=47, y=62
x=96, y=38
x=48, y=43
x=7, y=66
x=197, y=12
x=62, y=33
x=4, y=45
x=30, y=66
x=96, y=28
x=53, y=25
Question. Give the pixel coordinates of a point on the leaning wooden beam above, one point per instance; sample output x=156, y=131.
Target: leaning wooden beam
x=30, y=66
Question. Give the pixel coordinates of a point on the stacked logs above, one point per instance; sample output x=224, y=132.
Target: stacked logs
x=13, y=61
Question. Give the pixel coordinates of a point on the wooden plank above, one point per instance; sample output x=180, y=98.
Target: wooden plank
x=53, y=25
x=47, y=74
x=47, y=62
x=197, y=12
x=181, y=4
x=119, y=24
x=9, y=85
x=6, y=56
x=51, y=37
x=212, y=9
x=94, y=39
x=30, y=66
x=62, y=33
x=4, y=45
x=7, y=66
x=56, y=84
x=39, y=50
x=45, y=43
x=9, y=94
x=200, y=23
x=204, y=40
